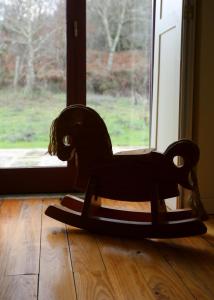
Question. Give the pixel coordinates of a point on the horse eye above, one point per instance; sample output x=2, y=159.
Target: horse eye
x=67, y=140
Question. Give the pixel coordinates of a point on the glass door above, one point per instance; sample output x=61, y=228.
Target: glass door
x=55, y=53
x=119, y=54
x=33, y=91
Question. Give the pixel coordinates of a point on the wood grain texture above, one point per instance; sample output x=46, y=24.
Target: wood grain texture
x=193, y=260
x=56, y=277
x=21, y=287
x=70, y=263
x=91, y=278
x=84, y=251
x=159, y=276
x=94, y=285
x=9, y=212
x=124, y=275
x=25, y=248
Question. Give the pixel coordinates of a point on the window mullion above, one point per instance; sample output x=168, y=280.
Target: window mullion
x=76, y=52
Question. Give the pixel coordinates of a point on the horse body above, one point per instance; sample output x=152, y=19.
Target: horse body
x=80, y=134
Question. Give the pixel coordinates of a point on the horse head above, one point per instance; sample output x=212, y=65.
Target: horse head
x=80, y=133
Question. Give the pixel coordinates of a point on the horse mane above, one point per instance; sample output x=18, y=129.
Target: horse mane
x=52, y=147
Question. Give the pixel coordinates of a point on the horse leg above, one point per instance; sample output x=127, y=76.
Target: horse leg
x=92, y=202
x=158, y=206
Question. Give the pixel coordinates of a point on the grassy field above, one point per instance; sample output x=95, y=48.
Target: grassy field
x=25, y=119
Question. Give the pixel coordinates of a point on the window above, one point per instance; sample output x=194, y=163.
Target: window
x=105, y=63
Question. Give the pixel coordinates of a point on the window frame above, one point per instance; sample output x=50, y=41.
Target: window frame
x=57, y=179
x=76, y=51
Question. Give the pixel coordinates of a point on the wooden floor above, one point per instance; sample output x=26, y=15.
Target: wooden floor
x=43, y=259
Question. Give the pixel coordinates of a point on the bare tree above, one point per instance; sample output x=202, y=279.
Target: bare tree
x=124, y=23
x=26, y=25
x=112, y=14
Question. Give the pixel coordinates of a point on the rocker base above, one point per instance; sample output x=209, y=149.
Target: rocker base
x=127, y=228
x=75, y=203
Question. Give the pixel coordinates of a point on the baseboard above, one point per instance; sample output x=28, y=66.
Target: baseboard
x=208, y=204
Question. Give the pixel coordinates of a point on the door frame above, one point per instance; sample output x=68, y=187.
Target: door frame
x=187, y=80
x=187, y=68
x=187, y=57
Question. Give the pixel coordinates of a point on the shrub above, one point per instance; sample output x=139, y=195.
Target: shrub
x=118, y=83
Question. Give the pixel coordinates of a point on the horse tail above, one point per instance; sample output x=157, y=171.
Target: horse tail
x=190, y=153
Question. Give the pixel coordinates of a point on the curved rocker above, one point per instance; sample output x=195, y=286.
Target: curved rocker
x=80, y=134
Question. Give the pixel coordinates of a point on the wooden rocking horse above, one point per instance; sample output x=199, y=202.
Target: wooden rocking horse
x=80, y=134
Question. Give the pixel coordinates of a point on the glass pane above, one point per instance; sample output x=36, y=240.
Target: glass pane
x=32, y=79
x=119, y=39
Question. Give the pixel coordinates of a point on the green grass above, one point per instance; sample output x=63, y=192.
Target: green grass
x=128, y=124
x=25, y=120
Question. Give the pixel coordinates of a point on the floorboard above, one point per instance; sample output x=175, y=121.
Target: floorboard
x=42, y=259
x=192, y=259
x=19, y=287
x=9, y=213
x=159, y=275
x=56, y=275
x=124, y=275
x=91, y=278
x=25, y=247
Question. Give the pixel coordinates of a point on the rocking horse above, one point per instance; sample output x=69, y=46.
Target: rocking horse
x=79, y=134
